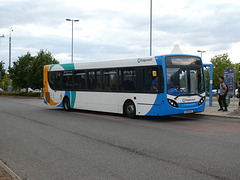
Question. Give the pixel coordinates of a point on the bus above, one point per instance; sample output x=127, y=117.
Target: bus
x=147, y=86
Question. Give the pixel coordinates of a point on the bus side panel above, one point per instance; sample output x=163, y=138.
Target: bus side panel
x=46, y=95
x=113, y=102
x=88, y=100
x=144, y=103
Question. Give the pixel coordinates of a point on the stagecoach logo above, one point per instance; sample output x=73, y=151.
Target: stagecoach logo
x=187, y=100
x=143, y=59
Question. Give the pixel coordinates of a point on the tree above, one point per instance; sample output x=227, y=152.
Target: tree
x=220, y=62
x=2, y=70
x=207, y=77
x=4, y=82
x=237, y=68
x=36, y=68
x=19, y=73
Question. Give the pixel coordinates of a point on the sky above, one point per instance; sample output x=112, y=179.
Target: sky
x=119, y=29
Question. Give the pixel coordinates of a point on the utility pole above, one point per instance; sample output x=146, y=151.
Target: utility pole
x=73, y=20
x=150, y=27
x=9, y=66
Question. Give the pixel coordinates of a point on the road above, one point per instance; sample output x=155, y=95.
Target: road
x=41, y=142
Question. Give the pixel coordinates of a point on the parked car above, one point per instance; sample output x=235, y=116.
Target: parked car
x=214, y=92
x=25, y=90
x=1, y=90
x=38, y=90
x=236, y=92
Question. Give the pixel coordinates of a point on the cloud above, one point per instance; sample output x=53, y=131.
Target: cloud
x=119, y=28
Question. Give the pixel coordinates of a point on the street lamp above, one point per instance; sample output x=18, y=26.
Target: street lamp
x=201, y=52
x=73, y=20
x=9, y=66
x=2, y=36
x=150, y=27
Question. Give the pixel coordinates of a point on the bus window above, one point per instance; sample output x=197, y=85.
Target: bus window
x=58, y=80
x=79, y=80
x=51, y=80
x=129, y=79
x=110, y=80
x=94, y=80
x=98, y=80
x=150, y=79
x=67, y=80
x=91, y=80
x=120, y=80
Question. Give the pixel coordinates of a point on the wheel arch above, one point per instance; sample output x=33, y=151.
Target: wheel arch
x=125, y=103
x=64, y=98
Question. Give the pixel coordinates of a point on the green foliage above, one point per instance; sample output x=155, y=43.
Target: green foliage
x=4, y=82
x=28, y=94
x=28, y=70
x=19, y=73
x=2, y=70
x=220, y=62
x=36, y=70
x=237, y=68
x=207, y=77
x=3, y=75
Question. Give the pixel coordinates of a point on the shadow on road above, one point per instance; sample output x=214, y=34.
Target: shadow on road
x=162, y=119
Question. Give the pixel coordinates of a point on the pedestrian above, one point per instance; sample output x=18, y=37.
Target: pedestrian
x=238, y=95
x=222, y=95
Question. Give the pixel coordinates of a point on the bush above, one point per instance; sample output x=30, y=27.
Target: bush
x=28, y=94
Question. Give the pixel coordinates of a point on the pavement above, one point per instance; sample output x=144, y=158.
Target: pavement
x=7, y=174
x=213, y=110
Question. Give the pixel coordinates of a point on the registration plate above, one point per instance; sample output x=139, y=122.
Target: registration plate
x=188, y=111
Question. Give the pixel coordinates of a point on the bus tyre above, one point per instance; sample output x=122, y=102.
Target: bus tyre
x=66, y=104
x=130, y=109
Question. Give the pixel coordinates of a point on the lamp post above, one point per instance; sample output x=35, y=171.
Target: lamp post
x=150, y=27
x=9, y=66
x=201, y=52
x=2, y=36
x=73, y=20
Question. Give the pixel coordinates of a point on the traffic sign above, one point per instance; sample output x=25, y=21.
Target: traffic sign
x=229, y=79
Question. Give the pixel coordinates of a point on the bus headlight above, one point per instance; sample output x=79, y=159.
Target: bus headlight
x=201, y=101
x=172, y=103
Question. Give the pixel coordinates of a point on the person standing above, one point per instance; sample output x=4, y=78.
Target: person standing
x=222, y=95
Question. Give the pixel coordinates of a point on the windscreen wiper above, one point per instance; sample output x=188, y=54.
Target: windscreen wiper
x=199, y=95
x=179, y=95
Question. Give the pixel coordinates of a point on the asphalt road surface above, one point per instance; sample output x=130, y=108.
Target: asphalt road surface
x=40, y=142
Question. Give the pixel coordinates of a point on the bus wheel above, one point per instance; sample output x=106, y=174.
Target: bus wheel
x=130, y=109
x=66, y=104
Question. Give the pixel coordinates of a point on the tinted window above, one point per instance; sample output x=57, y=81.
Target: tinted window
x=109, y=80
x=150, y=79
x=67, y=80
x=79, y=80
x=128, y=79
x=142, y=79
x=58, y=80
x=94, y=80
x=51, y=80
x=55, y=80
